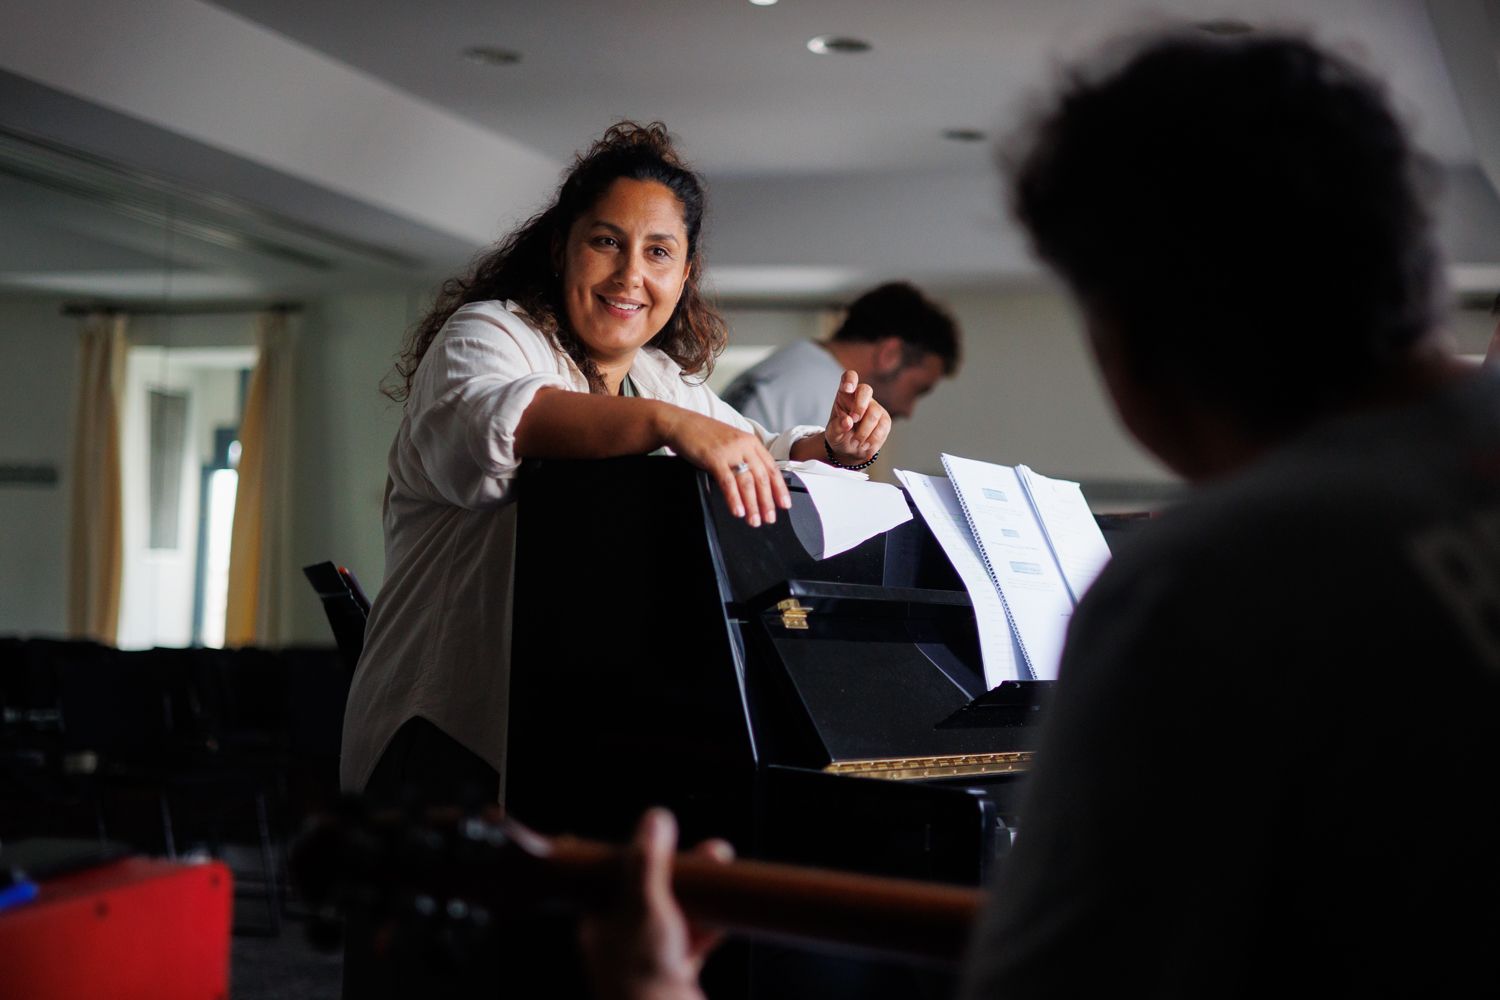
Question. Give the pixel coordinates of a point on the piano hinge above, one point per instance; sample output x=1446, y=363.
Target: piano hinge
x=957, y=765
x=793, y=615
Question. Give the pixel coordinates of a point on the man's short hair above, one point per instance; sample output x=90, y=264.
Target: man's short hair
x=898, y=309
x=1245, y=215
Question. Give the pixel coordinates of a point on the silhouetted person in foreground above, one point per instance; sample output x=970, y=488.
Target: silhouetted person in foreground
x=1269, y=762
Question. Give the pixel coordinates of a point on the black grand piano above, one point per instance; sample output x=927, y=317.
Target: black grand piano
x=829, y=713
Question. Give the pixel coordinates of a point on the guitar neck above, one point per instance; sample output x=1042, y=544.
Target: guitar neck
x=921, y=920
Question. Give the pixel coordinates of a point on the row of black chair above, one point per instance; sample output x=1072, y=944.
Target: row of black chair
x=87, y=730
x=224, y=745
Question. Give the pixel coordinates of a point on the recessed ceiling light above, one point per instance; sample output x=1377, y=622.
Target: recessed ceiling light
x=764, y=3
x=1225, y=26
x=487, y=55
x=964, y=134
x=825, y=44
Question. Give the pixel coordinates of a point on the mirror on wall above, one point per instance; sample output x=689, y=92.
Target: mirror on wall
x=189, y=270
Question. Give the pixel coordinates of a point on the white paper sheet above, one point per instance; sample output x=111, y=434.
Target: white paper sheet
x=1015, y=549
x=940, y=508
x=852, y=510
x=1070, y=527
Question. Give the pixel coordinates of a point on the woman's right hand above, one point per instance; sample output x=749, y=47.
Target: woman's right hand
x=739, y=463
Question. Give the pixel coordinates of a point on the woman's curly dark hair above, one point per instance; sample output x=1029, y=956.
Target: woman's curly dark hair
x=522, y=267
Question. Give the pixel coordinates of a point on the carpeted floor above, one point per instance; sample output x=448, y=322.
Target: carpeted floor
x=284, y=967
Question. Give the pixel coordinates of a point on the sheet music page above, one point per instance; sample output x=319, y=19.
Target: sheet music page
x=852, y=510
x=939, y=507
x=1070, y=527
x=1015, y=548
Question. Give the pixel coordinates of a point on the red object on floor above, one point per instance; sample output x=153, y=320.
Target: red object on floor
x=127, y=929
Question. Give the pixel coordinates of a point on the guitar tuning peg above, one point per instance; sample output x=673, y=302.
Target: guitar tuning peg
x=485, y=826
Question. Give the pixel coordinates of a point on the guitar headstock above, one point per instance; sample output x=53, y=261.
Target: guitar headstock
x=438, y=864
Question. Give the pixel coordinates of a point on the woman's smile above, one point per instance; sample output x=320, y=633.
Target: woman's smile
x=623, y=308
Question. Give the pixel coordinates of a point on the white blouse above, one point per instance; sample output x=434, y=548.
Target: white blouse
x=438, y=640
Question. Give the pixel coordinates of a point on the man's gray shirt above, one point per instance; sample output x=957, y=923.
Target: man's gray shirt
x=795, y=385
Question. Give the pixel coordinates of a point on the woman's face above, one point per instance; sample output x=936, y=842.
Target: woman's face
x=623, y=269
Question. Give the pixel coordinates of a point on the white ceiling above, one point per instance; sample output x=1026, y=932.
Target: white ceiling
x=738, y=83
x=279, y=147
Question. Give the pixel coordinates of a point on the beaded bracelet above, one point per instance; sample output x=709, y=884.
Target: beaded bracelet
x=828, y=448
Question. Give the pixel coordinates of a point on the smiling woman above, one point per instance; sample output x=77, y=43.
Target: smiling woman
x=580, y=335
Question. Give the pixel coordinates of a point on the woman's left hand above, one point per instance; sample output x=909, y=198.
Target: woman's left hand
x=857, y=426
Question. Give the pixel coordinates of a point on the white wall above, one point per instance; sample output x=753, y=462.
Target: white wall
x=776, y=327
x=1026, y=393
x=36, y=409
x=1471, y=330
x=343, y=427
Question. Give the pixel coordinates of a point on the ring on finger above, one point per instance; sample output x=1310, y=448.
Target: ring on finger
x=739, y=469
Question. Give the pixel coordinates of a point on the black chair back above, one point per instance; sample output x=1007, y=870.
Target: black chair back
x=345, y=604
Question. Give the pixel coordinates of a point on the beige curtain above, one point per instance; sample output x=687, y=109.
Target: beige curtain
x=259, y=549
x=96, y=546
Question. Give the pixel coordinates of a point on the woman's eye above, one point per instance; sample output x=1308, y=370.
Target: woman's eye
x=661, y=253
x=604, y=241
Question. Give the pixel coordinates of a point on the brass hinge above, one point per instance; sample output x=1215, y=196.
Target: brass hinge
x=793, y=615
x=950, y=766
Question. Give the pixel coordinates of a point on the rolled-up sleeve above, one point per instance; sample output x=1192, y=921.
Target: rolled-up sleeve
x=476, y=381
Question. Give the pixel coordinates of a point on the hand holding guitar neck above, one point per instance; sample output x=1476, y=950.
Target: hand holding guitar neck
x=387, y=860
x=643, y=947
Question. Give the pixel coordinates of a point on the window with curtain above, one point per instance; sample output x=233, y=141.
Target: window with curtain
x=180, y=424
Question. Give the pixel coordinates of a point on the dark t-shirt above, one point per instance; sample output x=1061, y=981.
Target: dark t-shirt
x=1271, y=760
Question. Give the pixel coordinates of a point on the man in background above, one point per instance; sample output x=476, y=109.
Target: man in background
x=899, y=341
x=1269, y=760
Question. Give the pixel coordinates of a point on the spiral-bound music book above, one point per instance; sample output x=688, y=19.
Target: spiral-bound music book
x=1026, y=547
